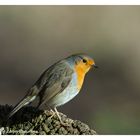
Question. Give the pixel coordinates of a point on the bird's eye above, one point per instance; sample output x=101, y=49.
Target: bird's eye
x=84, y=61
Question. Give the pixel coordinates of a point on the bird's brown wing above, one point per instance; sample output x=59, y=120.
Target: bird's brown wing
x=53, y=80
x=57, y=80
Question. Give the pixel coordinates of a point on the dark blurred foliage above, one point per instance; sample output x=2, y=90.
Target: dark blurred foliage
x=34, y=37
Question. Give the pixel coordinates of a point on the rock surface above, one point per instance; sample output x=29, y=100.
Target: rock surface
x=30, y=121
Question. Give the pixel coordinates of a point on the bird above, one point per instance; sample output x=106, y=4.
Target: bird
x=58, y=84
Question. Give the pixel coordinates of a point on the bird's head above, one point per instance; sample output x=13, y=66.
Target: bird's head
x=83, y=62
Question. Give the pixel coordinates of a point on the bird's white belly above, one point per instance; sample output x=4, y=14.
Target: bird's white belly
x=69, y=93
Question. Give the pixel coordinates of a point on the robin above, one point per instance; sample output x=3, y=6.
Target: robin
x=60, y=83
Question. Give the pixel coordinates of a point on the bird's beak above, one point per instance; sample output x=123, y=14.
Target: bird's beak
x=95, y=66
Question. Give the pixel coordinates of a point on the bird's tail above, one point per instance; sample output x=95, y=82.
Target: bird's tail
x=26, y=100
x=32, y=94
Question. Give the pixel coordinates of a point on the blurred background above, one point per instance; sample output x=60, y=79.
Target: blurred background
x=34, y=37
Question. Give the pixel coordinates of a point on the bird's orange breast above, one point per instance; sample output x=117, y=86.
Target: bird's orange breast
x=80, y=76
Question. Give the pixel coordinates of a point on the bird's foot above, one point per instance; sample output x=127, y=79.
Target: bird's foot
x=55, y=112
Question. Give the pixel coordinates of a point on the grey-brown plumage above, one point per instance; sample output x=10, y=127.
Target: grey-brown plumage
x=59, y=83
x=52, y=82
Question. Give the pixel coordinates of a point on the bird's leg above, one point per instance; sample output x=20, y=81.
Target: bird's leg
x=57, y=113
x=53, y=113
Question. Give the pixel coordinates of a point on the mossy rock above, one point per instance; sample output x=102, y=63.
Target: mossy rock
x=30, y=121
